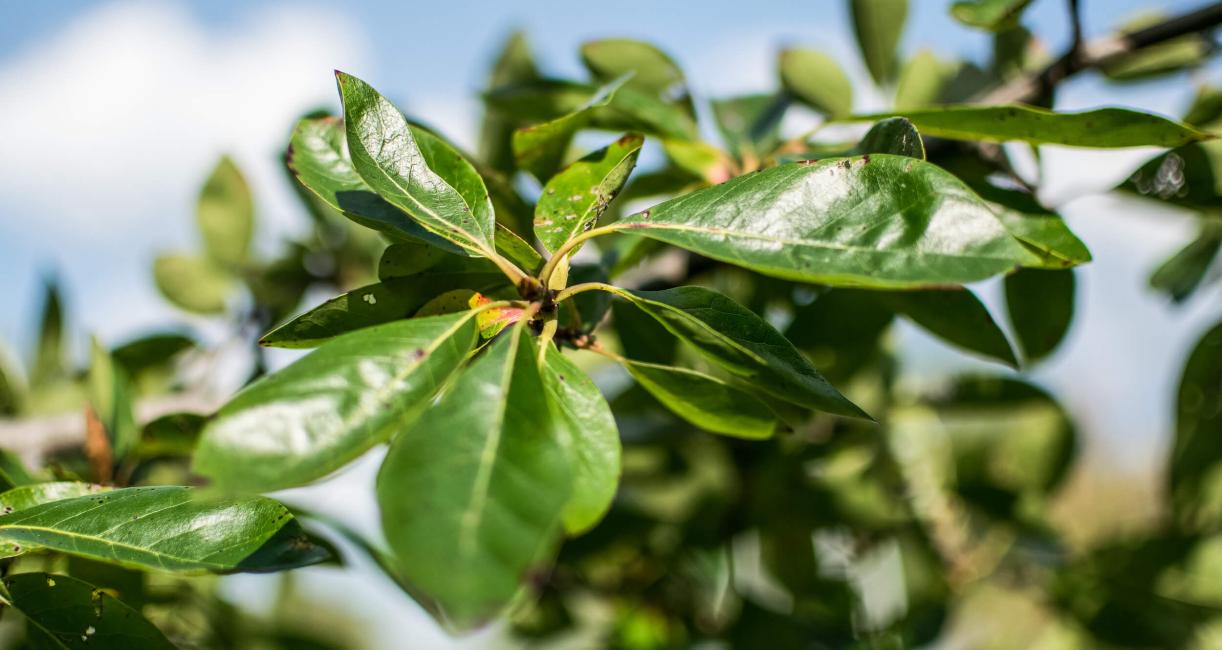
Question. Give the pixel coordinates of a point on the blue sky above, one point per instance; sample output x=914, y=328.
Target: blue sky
x=115, y=110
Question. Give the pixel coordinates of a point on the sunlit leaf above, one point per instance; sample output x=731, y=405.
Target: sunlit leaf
x=472, y=495
x=167, y=529
x=225, y=215
x=743, y=343
x=579, y=407
x=890, y=222
x=573, y=200
x=817, y=80
x=705, y=401
x=387, y=154
x=878, y=25
x=1101, y=127
x=326, y=409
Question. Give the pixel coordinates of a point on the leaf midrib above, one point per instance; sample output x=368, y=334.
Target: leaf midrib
x=479, y=245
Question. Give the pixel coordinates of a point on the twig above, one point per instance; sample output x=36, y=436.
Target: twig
x=1097, y=53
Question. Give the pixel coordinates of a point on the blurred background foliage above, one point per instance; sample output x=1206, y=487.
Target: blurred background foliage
x=949, y=520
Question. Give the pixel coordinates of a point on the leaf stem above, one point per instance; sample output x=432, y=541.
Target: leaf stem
x=511, y=270
x=584, y=287
x=562, y=252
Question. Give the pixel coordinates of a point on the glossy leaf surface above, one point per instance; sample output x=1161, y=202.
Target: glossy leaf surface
x=705, y=401
x=894, y=135
x=472, y=495
x=573, y=200
x=386, y=154
x=167, y=529
x=70, y=614
x=1042, y=230
x=890, y=222
x=27, y=496
x=734, y=337
x=1099, y=128
x=375, y=304
x=326, y=409
x=318, y=157
x=579, y=407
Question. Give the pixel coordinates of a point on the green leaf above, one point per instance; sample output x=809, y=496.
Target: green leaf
x=817, y=81
x=64, y=612
x=1100, y=128
x=28, y=496
x=1183, y=272
x=894, y=135
x=151, y=351
x=705, y=401
x=192, y=283
x=991, y=15
x=642, y=337
x=1041, y=306
x=1174, y=55
x=1196, y=453
x=388, y=155
x=378, y=303
x=840, y=331
x=1189, y=176
x=956, y=316
x=403, y=259
x=890, y=222
x=174, y=434
x=329, y=407
x=735, y=338
x=1042, y=230
x=318, y=157
x=110, y=396
x=12, y=392
x=13, y=472
x=653, y=71
x=540, y=148
x=573, y=200
x=50, y=363
x=167, y=529
x=878, y=25
x=226, y=215
x=514, y=65
x=750, y=124
x=579, y=407
x=921, y=81
x=472, y=495
x=517, y=250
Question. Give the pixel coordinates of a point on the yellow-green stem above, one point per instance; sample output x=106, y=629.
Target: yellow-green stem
x=549, y=268
x=584, y=287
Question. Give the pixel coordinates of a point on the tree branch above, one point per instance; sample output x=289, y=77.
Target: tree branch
x=1100, y=52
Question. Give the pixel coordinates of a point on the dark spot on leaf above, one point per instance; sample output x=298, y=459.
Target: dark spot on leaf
x=645, y=214
x=865, y=159
x=419, y=353
x=809, y=161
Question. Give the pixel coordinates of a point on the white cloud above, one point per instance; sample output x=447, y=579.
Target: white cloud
x=112, y=122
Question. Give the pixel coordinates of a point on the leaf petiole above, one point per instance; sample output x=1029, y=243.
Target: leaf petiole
x=562, y=252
